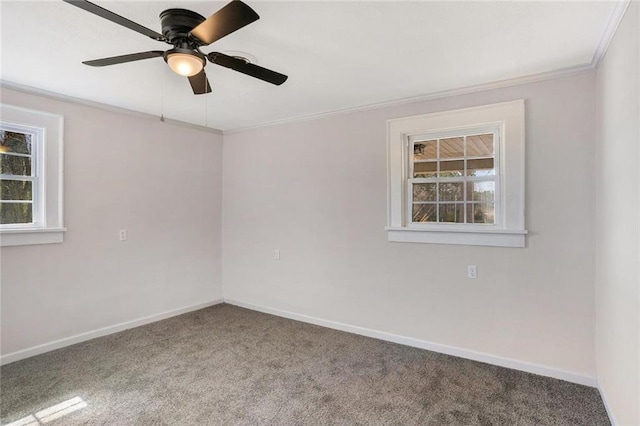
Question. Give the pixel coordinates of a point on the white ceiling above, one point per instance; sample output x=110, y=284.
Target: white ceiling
x=338, y=55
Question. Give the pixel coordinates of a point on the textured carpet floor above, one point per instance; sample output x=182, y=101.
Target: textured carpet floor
x=226, y=365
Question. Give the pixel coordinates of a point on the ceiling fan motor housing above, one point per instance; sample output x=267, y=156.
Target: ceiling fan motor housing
x=176, y=24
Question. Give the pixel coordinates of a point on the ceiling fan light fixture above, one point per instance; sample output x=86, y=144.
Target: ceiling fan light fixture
x=185, y=64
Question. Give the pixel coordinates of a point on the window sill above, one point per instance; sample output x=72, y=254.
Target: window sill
x=474, y=237
x=22, y=237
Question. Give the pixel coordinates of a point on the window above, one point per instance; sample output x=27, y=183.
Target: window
x=457, y=177
x=30, y=177
x=21, y=179
x=452, y=177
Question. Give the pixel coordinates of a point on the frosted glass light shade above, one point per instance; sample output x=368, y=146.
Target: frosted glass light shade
x=185, y=64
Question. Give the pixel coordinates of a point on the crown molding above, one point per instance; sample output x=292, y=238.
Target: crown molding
x=605, y=40
x=610, y=31
x=533, y=78
x=92, y=104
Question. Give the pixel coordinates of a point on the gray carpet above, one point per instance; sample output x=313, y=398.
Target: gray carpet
x=226, y=365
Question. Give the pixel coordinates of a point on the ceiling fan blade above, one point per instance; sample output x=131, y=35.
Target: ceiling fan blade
x=124, y=58
x=106, y=14
x=200, y=84
x=247, y=68
x=230, y=18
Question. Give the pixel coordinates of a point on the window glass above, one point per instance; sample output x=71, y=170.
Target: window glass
x=424, y=213
x=481, y=191
x=15, y=165
x=15, y=142
x=425, y=150
x=481, y=167
x=16, y=213
x=451, y=191
x=452, y=148
x=454, y=179
x=453, y=213
x=425, y=155
x=16, y=190
x=17, y=183
x=480, y=145
x=451, y=168
x=425, y=169
x=424, y=192
x=480, y=213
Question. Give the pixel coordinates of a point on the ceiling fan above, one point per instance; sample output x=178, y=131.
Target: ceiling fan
x=187, y=31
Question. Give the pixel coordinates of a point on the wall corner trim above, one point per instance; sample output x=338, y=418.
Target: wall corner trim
x=82, y=337
x=607, y=406
x=514, y=364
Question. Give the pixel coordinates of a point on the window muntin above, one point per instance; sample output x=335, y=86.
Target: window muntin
x=453, y=178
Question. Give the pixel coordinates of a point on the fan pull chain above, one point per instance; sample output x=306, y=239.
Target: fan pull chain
x=162, y=87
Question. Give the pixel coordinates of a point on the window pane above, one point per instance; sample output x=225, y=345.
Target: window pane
x=480, y=145
x=480, y=213
x=425, y=150
x=424, y=213
x=452, y=213
x=425, y=170
x=15, y=190
x=451, y=168
x=424, y=192
x=13, y=165
x=16, y=213
x=451, y=191
x=481, y=191
x=481, y=167
x=446, y=200
x=452, y=148
x=15, y=142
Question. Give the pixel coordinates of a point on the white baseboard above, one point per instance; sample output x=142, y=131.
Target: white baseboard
x=67, y=341
x=603, y=395
x=403, y=340
x=431, y=346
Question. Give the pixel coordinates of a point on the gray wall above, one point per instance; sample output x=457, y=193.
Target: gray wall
x=617, y=221
x=316, y=191
x=162, y=183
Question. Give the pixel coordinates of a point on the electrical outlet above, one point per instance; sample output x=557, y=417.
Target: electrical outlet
x=276, y=254
x=472, y=272
x=123, y=235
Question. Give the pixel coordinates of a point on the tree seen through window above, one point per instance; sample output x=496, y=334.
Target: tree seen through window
x=16, y=184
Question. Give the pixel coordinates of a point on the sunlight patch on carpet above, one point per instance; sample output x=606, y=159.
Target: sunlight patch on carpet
x=49, y=414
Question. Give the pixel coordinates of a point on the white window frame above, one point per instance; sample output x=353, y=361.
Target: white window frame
x=507, y=119
x=47, y=177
